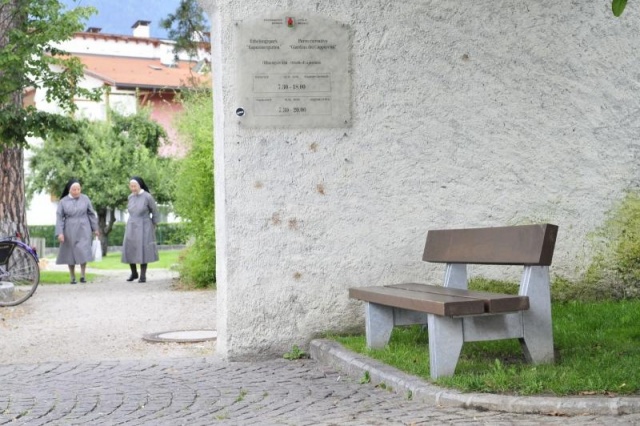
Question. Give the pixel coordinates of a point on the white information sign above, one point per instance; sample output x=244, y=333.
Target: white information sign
x=293, y=71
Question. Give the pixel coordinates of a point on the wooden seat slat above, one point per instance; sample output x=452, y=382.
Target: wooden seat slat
x=494, y=302
x=438, y=304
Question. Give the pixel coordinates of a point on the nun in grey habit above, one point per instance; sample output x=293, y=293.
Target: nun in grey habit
x=139, y=244
x=76, y=220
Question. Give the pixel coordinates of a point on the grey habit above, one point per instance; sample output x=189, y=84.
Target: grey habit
x=139, y=244
x=76, y=220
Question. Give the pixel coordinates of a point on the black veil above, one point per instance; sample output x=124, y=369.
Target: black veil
x=67, y=187
x=141, y=183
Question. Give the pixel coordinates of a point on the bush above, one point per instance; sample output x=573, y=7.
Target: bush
x=116, y=236
x=562, y=289
x=48, y=232
x=615, y=269
x=171, y=234
x=197, y=265
x=492, y=286
x=614, y=272
x=166, y=234
x=194, y=201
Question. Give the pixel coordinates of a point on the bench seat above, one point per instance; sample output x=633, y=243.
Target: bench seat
x=440, y=300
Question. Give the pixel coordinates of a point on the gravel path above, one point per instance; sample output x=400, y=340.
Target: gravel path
x=106, y=320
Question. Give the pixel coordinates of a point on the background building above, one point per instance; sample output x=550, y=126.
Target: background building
x=134, y=71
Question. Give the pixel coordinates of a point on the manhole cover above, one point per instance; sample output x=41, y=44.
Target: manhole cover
x=182, y=336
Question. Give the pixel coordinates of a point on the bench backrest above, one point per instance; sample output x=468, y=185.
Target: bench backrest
x=506, y=245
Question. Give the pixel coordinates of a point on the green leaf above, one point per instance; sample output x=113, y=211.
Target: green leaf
x=617, y=6
x=28, y=31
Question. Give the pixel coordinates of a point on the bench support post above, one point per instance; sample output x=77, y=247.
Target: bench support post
x=378, y=324
x=537, y=340
x=455, y=276
x=445, y=343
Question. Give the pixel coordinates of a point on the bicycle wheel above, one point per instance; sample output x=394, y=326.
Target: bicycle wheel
x=19, y=277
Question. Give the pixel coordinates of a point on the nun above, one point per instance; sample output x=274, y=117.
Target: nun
x=139, y=245
x=76, y=220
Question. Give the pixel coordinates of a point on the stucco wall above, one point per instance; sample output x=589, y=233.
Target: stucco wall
x=464, y=114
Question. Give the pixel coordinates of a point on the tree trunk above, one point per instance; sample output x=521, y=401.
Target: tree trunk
x=13, y=220
x=105, y=226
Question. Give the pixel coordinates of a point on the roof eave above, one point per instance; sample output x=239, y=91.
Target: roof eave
x=134, y=86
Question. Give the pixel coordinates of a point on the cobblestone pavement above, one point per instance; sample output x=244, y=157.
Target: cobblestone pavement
x=66, y=358
x=206, y=391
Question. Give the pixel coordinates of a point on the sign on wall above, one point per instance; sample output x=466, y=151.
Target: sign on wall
x=293, y=71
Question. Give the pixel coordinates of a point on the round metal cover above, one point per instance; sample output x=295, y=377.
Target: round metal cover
x=182, y=336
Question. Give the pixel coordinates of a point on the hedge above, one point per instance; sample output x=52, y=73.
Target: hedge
x=166, y=234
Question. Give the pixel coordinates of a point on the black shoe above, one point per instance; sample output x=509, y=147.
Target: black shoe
x=82, y=280
x=132, y=277
x=142, y=280
x=73, y=281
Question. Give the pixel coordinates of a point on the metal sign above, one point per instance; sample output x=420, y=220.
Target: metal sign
x=293, y=71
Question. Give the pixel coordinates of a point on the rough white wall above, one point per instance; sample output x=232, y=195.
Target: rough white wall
x=465, y=114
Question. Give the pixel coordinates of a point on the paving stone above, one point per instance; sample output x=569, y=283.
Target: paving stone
x=325, y=391
x=210, y=391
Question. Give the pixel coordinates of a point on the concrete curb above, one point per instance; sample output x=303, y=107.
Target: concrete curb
x=331, y=353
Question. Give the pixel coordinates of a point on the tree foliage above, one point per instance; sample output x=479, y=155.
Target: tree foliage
x=140, y=128
x=194, y=201
x=103, y=156
x=188, y=27
x=29, y=60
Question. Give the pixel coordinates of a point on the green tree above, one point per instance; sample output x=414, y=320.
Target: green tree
x=28, y=62
x=194, y=200
x=103, y=156
x=188, y=27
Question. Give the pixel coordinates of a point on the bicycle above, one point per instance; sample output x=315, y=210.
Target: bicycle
x=19, y=271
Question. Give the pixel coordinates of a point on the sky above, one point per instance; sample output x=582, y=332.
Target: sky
x=118, y=16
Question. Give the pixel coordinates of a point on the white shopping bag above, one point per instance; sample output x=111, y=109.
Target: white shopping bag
x=96, y=249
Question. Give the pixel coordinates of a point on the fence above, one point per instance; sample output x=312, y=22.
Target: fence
x=39, y=244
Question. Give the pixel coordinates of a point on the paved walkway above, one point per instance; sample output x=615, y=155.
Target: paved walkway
x=201, y=391
x=206, y=390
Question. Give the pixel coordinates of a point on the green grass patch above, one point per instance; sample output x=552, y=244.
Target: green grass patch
x=111, y=261
x=597, y=353
x=59, y=277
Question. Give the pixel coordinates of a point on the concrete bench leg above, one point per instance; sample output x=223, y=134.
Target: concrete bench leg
x=445, y=344
x=378, y=325
x=537, y=340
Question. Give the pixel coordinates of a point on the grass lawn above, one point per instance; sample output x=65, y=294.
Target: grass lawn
x=597, y=353
x=168, y=260
x=111, y=261
x=59, y=277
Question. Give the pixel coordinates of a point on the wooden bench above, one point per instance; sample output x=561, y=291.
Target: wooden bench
x=454, y=314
